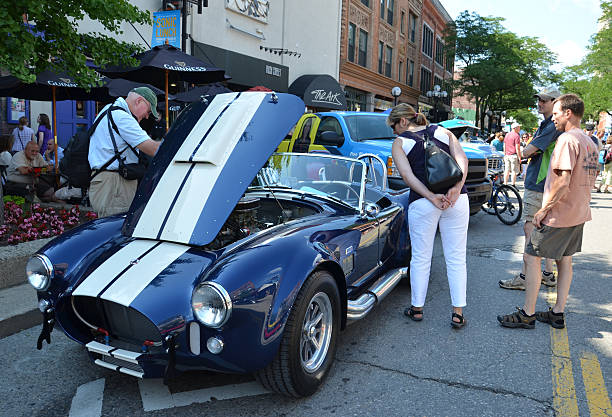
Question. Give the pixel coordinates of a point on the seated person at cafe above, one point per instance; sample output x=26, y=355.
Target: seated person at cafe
x=22, y=170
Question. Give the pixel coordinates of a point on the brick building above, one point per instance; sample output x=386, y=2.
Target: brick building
x=379, y=50
x=388, y=43
x=435, y=68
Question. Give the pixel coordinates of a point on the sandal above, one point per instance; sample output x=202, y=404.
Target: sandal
x=458, y=324
x=556, y=320
x=412, y=313
x=518, y=319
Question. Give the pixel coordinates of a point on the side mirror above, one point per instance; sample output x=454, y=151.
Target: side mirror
x=330, y=138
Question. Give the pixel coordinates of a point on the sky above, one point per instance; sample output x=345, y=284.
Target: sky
x=564, y=26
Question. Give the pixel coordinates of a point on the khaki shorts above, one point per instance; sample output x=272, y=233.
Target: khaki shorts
x=555, y=242
x=511, y=163
x=532, y=202
x=110, y=193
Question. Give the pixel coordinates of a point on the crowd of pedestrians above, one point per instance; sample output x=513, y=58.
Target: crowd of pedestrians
x=560, y=174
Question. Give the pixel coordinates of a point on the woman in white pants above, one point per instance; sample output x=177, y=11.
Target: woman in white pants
x=449, y=210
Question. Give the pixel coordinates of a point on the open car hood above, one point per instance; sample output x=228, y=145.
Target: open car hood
x=209, y=158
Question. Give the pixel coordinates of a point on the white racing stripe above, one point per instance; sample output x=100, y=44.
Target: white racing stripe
x=154, y=213
x=139, y=276
x=87, y=401
x=212, y=156
x=108, y=271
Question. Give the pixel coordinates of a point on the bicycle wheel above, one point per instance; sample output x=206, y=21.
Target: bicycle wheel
x=508, y=204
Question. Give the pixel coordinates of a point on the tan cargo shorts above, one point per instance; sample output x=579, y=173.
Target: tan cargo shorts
x=555, y=242
x=532, y=202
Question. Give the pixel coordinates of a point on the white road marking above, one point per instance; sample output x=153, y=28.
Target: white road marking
x=87, y=401
x=156, y=396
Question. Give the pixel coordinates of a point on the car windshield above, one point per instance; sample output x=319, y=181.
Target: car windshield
x=369, y=126
x=338, y=178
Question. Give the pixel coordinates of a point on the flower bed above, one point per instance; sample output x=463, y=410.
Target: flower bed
x=24, y=222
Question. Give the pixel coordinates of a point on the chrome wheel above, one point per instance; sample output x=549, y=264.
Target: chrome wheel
x=316, y=332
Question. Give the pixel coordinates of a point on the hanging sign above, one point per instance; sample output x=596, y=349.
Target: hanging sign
x=167, y=26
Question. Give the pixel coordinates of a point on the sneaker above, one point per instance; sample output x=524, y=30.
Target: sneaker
x=550, y=280
x=516, y=283
x=517, y=320
x=556, y=320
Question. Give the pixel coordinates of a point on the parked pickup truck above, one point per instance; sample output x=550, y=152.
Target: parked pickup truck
x=356, y=133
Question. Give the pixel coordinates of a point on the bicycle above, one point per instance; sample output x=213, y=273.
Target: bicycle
x=505, y=202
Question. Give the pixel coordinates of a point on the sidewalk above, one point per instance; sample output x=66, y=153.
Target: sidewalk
x=18, y=309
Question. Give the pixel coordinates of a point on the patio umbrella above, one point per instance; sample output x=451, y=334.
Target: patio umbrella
x=196, y=93
x=164, y=64
x=50, y=86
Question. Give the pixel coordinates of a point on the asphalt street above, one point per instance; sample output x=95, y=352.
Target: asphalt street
x=386, y=364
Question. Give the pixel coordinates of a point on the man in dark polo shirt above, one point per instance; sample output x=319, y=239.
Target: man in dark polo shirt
x=539, y=150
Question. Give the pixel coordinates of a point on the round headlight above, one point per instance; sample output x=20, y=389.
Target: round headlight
x=211, y=304
x=39, y=271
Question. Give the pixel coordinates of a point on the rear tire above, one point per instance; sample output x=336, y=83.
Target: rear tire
x=309, y=341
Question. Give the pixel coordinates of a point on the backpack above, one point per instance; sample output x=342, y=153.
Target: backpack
x=603, y=153
x=75, y=163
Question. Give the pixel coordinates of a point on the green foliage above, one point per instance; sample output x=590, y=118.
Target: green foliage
x=592, y=79
x=20, y=201
x=60, y=47
x=529, y=121
x=499, y=68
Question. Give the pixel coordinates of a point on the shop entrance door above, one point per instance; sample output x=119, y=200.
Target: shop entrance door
x=72, y=116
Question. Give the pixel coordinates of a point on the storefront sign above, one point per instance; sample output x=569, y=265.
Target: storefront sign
x=270, y=70
x=326, y=97
x=256, y=9
x=167, y=26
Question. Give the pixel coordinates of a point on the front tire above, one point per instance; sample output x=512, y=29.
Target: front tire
x=508, y=204
x=309, y=340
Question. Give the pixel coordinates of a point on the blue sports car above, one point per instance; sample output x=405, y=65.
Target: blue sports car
x=230, y=258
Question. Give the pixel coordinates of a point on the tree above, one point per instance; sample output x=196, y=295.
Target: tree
x=528, y=120
x=498, y=68
x=592, y=79
x=55, y=43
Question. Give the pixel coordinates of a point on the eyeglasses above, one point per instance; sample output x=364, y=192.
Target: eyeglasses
x=541, y=100
x=148, y=105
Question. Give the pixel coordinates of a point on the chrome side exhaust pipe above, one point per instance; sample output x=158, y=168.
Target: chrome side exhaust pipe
x=359, y=308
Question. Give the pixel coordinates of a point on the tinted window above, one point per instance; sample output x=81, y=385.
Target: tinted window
x=363, y=127
x=329, y=124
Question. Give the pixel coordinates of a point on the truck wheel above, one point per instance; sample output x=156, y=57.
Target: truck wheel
x=309, y=340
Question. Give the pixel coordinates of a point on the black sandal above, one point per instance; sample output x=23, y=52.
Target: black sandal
x=458, y=324
x=412, y=313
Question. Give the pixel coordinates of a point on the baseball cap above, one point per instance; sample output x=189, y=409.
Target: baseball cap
x=515, y=125
x=548, y=93
x=147, y=94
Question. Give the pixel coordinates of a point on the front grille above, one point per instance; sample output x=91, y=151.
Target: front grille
x=496, y=164
x=477, y=170
x=121, y=322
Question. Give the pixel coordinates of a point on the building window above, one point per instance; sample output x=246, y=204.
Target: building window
x=410, y=74
x=389, y=61
x=427, y=41
x=382, y=9
x=438, y=81
x=425, y=80
x=381, y=47
x=400, y=71
x=355, y=99
x=413, y=27
x=363, y=48
x=390, y=7
x=450, y=61
x=365, y=2
x=351, y=42
x=402, y=24
x=439, y=52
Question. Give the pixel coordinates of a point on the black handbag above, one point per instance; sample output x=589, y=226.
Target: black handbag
x=134, y=171
x=441, y=169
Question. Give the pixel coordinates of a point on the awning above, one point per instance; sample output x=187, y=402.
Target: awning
x=319, y=90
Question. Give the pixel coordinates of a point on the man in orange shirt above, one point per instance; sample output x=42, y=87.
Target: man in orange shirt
x=560, y=221
x=512, y=153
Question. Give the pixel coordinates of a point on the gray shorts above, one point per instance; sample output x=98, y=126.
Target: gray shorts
x=555, y=242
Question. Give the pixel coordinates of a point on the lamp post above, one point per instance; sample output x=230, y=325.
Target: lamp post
x=396, y=92
x=437, y=94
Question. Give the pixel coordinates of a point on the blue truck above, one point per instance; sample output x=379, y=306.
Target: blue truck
x=353, y=134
